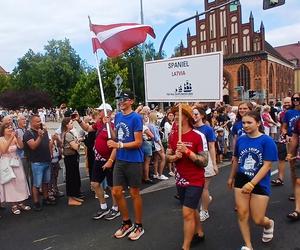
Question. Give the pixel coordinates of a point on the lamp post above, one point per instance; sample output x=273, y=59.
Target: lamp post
x=190, y=18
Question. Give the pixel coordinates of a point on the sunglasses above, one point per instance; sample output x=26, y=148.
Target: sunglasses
x=296, y=99
x=196, y=113
x=123, y=99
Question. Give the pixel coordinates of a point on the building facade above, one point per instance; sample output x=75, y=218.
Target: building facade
x=2, y=71
x=253, y=69
x=292, y=53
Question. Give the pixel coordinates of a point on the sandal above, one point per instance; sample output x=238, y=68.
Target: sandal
x=277, y=182
x=268, y=233
x=246, y=248
x=24, y=207
x=294, y=216
x=15, y=210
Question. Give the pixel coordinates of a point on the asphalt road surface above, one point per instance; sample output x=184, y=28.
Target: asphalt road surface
x=64, y=228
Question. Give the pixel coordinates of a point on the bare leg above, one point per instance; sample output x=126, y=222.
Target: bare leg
x=243, y=206
x=205, y=195
x=137, y=204
x=189, y=225
x=99, y=192
x=119, y=196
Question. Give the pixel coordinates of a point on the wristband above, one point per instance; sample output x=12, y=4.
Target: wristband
x=120, y=145
x=188, y=152
x=251, y=184
x=79, y=121
x=111, y=160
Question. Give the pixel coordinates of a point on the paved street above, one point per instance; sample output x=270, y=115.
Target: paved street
x=62, y=227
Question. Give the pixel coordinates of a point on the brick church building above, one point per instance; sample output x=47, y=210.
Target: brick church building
x=251, y=65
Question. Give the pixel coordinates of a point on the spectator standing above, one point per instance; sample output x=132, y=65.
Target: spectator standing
x=38, y=145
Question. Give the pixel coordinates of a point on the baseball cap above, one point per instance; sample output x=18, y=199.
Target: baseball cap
x=107, y=107
x=127, y=94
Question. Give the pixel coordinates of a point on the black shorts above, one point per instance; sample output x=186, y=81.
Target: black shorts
x=128, y=174
x=241, y=180
x=98, y=175
x=282, y=152
x=189, y=196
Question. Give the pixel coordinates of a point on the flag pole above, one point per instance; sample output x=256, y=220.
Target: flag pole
x=180, y=124
x=101, y=86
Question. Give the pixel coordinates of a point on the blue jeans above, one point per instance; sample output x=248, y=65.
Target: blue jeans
x=40, y=173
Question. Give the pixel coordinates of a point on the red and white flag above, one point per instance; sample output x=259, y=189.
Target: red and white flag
x=115, y=39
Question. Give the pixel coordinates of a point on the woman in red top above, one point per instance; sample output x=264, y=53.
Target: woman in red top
x=190, y=160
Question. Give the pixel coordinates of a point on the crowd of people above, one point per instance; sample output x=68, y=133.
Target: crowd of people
x=125, y=149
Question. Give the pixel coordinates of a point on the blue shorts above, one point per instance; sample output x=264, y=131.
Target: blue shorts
x=40, y=173
x=189, y=196
x=147, y=148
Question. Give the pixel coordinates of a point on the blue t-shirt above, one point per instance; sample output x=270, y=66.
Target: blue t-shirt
x=126, y=126
x=208, y=132
x=251, y=154
x=290, y=118
x=237, y=129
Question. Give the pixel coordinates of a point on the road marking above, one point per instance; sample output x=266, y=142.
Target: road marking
x=45, y=238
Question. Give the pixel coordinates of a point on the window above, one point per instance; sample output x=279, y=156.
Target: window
x=256, y=44
x=223, y=25
x=235, y=45
x=246, y=43
x=224, y=47
x=194, y=50
x=212, y=26
x=271, y=79
x=203, y=49
x=213, y=47
x=244, y=77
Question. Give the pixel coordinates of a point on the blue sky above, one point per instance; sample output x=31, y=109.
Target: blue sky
x=31, y=23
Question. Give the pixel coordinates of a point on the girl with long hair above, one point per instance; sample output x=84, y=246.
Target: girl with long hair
x=250, y=177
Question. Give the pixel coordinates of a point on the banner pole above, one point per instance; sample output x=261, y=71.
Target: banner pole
x=180, y=123
x=101, y=88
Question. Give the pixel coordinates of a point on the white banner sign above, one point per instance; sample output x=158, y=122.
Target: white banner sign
x=188, y=78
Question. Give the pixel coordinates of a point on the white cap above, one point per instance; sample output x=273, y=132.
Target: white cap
x=107, y=107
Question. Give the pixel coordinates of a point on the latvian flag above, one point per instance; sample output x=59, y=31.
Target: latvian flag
x=115, y=39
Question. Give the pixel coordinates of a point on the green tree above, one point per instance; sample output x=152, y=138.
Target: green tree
x=5, y=82
x=56, y=72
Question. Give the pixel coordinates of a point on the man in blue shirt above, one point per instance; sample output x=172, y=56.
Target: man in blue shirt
x=128, y=169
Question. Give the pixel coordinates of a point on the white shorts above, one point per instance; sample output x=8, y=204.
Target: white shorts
x=209, y=169
x=273, y=130
x=267, y=130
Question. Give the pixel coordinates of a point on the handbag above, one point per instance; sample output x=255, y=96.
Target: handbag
x=14, y=162
x=6, y=171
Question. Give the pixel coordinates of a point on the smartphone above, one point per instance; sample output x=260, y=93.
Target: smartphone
x=41, y=126
x=73, y=116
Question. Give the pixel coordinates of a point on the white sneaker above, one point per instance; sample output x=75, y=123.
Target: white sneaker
x=171, y=173
x=163, y=177
x=155, y=176
x=204, y=215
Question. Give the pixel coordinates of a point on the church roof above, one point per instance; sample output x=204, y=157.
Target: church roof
x=291, y=52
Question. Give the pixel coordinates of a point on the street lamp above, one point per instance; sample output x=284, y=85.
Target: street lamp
x=190, y=18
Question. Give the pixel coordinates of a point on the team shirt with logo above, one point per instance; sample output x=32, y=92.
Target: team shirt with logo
x=187, y=173
x=290, y=118
x=237, y=128
x=251, y=154
x=126, y=126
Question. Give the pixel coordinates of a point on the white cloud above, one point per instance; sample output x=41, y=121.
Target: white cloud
x=31, y=23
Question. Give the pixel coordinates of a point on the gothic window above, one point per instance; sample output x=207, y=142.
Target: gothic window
x=213, y=47
x=234, y=45
x=256, y=44
x=234, y=25
x=224, y=47
x=246, y=43
x=223, y=25
x=212, y=25
x=271, y=79
x=244, y=77
x=203, y=49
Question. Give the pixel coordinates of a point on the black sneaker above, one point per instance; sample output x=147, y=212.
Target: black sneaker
x=37, y=207
x=100, y=213
x=112, y=214
x=49, y=202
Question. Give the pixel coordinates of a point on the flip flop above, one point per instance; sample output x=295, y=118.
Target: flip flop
x=294, y=216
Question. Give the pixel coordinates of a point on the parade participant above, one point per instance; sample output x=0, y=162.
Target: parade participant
x=289, y=119
x=190, y=160
x=237, y=128
x=294, y=155
x=282, y=145
x=128, y=169
x=15, y=190
x=71, y=146
x=38, y=147
x=167, y=130
x=103, y=162
x=250, y=176
x=211, y=169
